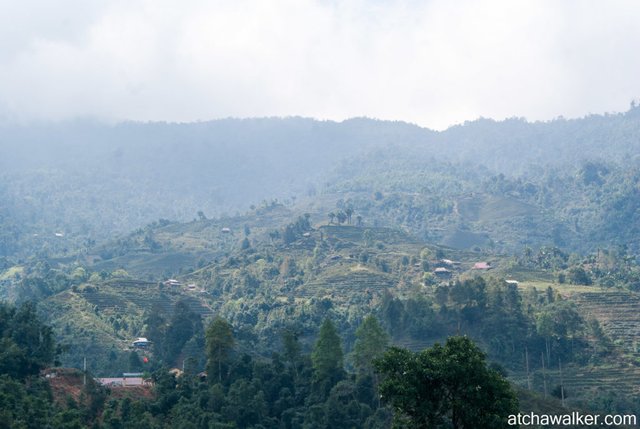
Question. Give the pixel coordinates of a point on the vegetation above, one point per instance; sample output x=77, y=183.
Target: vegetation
x=445, y=386
x=360, y=251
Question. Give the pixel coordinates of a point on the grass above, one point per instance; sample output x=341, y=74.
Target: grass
x=564, y=289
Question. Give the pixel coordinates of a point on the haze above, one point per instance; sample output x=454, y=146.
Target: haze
x=433, y=63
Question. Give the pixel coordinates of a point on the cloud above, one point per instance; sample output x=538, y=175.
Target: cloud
x=434, y=63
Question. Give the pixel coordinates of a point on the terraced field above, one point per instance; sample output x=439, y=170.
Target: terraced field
x=618, y=314
x=117, y=296
x=356, y=234
x=150, y=265
x=346, y=284
x=105, y=301
x=488, y=208
x=621, y=380
x=617, y=311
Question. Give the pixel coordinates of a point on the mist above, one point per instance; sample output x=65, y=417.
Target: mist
x=432, y=63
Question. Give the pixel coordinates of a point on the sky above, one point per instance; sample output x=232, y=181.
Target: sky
x=433, y=63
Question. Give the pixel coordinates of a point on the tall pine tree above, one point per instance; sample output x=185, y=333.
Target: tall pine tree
x=327, y=359
x=371, y=342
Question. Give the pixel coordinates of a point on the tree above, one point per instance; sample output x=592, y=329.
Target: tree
x=578, y=276
x=135, y=363
x=447, y=386
x=26, y=345
x=184, y=325
x=289, y=235
x=342, y=410
x=220, y=342
x=349, y=212
x=327, y=359
x=559, y=320
x=371, y=342
x=292, y=348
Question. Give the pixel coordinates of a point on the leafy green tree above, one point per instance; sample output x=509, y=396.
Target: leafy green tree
x=135, y=363
x=70, y=418
x=447, y=386
x=22, y=407
x=26, y=345
x=246, y=404
x=504, y=323
x=557, y=322
x=156, y=329
x=220, y=342
x=184, y=325
x=578, y=276
x=342, y=410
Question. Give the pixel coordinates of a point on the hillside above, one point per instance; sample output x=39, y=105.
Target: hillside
x=378, y=218
x=264, y=284
x=60, y=198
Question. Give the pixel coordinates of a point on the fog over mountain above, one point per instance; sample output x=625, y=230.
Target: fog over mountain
x=97, y=180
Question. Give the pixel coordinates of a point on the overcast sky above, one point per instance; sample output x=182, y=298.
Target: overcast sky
x=434, y=63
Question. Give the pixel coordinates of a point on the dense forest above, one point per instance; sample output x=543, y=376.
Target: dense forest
x=290, y=273
x=291, y=389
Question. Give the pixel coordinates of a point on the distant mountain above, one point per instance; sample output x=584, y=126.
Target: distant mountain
x=90, y=181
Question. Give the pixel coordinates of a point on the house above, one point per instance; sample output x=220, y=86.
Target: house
x=482, y=266
x=172, y=282
x=141, y=343
x=442, y=272
x=177, y=372
x=128, y=380
x=512, y=282
x=226, y=230
x=449, y=262
x=92, y=259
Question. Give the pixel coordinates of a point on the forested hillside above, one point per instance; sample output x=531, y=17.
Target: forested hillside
x=88, y=181
x=263, y=260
